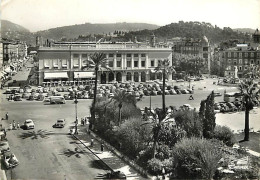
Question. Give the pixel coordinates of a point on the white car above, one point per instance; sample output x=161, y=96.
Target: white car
x=10, y=160
x=28, y=123
x=60, y=123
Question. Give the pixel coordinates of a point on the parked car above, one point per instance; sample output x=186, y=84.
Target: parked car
x=231, y=106
x=60, y=123
x=29, y=124
x=17, y=98
x=217, y=94
x=10, y=160
x=173, y=92
x=184, y=91
x=180, y=80
x=4, y=147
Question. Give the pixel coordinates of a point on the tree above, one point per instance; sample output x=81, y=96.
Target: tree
x=250, y=93
x=207, y=115
x=166, y=69
x=123, y=97
x=97, y=61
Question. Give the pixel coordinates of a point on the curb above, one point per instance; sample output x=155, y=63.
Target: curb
x=131, y=163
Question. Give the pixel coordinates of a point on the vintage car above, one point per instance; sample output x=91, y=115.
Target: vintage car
x=60, y=123
x=10, y=160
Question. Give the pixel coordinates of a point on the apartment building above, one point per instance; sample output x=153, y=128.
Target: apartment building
x=128, y=61
x=195, y=47
x=240, y=59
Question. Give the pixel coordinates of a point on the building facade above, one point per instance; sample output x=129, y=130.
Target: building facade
x=239, y=60
x=256, y=36
x=195, y=47
x=68, y=62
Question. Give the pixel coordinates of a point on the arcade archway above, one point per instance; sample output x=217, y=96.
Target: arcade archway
x=111, y=77
x=119, y=77
x=128, y=76
x=143, y=77
x=103, y=78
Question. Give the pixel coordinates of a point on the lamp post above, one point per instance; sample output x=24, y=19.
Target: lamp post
x=76, y=111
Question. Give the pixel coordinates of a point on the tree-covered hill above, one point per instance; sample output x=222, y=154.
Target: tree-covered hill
x=190, y=30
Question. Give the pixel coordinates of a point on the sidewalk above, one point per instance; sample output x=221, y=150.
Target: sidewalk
x=108, y=155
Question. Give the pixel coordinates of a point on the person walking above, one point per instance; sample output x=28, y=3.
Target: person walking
x=92, y=142
x=14, y=127
x=6, y=116
x=102, y=147
x=18, y=125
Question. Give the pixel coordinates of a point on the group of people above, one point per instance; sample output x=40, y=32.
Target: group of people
x=12, y=125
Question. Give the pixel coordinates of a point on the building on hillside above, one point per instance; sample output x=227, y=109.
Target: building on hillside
x=241, y=59
x=256, y=36
x=195, y=47
x=67, y=62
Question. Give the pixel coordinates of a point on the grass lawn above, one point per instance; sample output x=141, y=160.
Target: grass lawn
x=253, y=143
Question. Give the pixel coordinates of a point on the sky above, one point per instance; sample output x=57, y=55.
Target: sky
x=38, y=15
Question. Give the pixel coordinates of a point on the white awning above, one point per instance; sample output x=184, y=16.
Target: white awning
x=56, y=75
x=84, y=75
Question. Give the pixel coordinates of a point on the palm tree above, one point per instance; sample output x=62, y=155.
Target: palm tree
x=123, y=97
x=250, y=93
x=166, y=69
x=98, y=61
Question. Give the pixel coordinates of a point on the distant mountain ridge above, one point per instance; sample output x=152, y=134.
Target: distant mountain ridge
x=74, y=31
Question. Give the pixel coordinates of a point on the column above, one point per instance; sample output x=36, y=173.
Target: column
x=80, y=61
x=132, y=61
x=146, y=61
x=139, y=61
x=132, y=76
x=139, y=77
x=122, y=61
x=114, y=61
x=107, y=79
x=114, y=76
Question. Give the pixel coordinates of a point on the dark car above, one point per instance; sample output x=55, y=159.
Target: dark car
x=231, y=106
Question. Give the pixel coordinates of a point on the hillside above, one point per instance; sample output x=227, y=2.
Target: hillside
x=86, y=29
x=190, y=30
x=245, y=30
x=13, y=31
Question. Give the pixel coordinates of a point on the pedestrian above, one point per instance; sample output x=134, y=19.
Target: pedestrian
x=10, y=126
x=85, y=120
x=14, y=127
x=102, y=147
x=18, y=125
x=92, y=142
x=6, y=116
x=5, y=133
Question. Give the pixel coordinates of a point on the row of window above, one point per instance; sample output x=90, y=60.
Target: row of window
x=240, y=68
x=85, y=56
x=240, y=61
x=64, y=63
x=242, y=54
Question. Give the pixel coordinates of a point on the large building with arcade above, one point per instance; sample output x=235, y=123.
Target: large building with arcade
x=65, y=63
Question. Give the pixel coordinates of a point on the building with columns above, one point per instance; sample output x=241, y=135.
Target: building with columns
x=128, y=61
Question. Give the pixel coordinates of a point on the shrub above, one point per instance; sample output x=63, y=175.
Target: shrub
x=190, y=122
x=224, y=133
x=196, y=158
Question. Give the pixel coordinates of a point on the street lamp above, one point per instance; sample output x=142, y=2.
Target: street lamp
x=76, y=111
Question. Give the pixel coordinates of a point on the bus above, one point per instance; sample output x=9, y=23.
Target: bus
x=232, y=97
x=57, y=100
